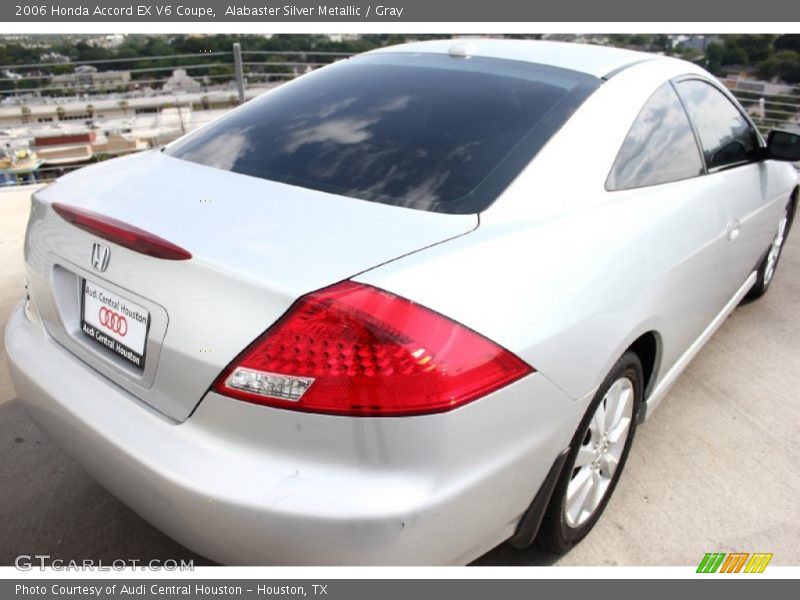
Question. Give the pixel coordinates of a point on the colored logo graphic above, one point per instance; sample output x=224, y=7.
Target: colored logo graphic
x=735, y=562
x=113, y=321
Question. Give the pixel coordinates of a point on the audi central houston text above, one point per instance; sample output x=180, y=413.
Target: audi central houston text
x=160, y=589
x=403, y=308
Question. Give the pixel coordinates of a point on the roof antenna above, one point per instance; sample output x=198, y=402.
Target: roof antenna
x=462, y=50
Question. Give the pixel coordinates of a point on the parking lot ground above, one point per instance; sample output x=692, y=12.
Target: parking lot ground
x=715, y=469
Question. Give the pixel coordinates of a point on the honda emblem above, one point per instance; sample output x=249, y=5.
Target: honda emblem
x=100, y=256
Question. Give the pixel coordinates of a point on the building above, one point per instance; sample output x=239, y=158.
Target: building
x=65, y=148
x=70, y=132
x=742, y=83
x=88, y=77
x=342, y=37
x=54, y=57
x=695, y=42
x=113, y=40
x=9, y=74
x=179, y=81
x=34, y=110
x=119, y=143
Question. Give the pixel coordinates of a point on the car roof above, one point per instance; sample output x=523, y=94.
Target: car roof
x=600, y=61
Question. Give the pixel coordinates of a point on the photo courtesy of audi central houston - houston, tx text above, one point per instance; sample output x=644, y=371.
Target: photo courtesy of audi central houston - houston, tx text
x=367, y=299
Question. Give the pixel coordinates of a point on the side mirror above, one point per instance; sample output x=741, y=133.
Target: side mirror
x=782, y=145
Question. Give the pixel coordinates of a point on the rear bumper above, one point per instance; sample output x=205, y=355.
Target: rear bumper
x=244, y=484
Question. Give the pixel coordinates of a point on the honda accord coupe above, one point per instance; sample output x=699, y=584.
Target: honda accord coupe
x=403, y=308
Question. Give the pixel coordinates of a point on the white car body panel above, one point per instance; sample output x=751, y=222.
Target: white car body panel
x=594, y=60
x=282, y=242
x=680, y=228
x=246, y=484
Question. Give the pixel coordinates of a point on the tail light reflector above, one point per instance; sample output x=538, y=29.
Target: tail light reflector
x=121, y=233
x=353, y=349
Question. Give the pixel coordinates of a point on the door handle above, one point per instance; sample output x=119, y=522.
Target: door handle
x=734, y=228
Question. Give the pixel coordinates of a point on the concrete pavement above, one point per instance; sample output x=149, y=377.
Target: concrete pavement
x=715, y=469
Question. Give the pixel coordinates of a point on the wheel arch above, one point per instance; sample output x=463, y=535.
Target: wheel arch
x=793, y=205
x=648, y=347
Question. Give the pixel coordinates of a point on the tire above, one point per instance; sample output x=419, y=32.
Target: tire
x=563, y=526
x=768, y=266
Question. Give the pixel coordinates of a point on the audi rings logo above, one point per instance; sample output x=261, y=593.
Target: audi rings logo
x=113, y=321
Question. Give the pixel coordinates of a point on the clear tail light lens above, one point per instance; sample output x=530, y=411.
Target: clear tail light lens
x=353, y=349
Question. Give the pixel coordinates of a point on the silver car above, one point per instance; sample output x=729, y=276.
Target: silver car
x=403, y=308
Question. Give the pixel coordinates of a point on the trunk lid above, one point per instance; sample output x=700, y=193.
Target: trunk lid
x=256, y=247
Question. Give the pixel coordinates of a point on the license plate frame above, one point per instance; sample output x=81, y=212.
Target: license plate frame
x=117, y=317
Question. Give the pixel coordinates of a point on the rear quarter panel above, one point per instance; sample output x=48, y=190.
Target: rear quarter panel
x=568, y=275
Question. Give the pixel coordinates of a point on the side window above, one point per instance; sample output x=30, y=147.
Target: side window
x=726, y=136
x=660, y=146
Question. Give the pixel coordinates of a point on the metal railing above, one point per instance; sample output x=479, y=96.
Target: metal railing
x=770, y=105
x=219, y=80
x=226, y=77
x=29, y=78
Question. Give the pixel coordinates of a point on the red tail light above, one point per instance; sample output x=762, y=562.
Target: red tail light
x=121, y=233
x=352, y=349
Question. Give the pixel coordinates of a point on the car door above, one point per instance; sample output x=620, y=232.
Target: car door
x=738, y=175
x=659, y=173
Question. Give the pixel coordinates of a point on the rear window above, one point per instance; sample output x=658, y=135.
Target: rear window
x=425, y=131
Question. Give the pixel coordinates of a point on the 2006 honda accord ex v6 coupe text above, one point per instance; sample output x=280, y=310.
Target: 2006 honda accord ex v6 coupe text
x=403, y=308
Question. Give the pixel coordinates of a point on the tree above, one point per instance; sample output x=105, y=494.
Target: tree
x=60, y=112
x=662, y=42
x=123, y=104
x=783, y=65
x=749, y=49
x=741, y=50
x=26, y=114
x=90, y=110
x=715, y=53
x=790, y=41
x=89, y=52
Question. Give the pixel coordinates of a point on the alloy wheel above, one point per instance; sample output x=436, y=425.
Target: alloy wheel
x=600, y=452
x=775, y=249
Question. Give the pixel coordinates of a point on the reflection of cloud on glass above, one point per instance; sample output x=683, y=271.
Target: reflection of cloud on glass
x=726, y=136
x=463, y=152
x=717, y=124
x=378, y=188
x=223, y=150
x=660, y=146
x=419, y=193
x=393, y=104
x=335, y=131
x=352, y=160
x=332, y=109
x=427, y=190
